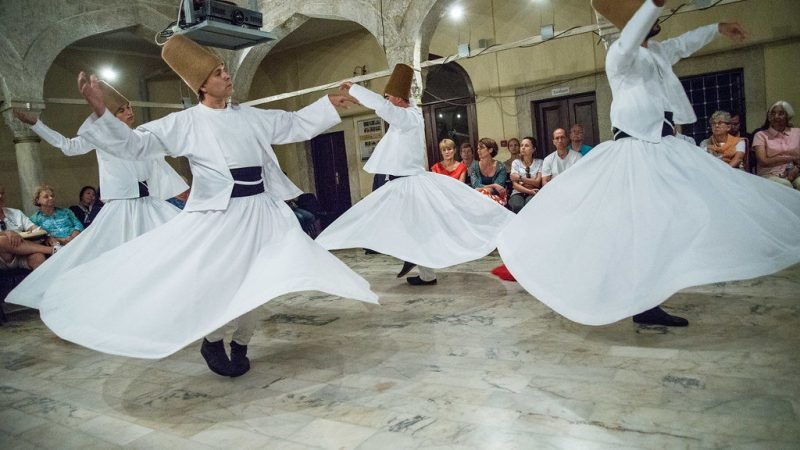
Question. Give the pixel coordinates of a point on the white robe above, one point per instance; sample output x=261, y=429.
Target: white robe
x=220, y=258
x=123, y=217
x=426, y=218
x=638, y=219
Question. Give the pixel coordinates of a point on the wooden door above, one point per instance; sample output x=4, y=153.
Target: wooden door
x=563, y=112
x=329, y=158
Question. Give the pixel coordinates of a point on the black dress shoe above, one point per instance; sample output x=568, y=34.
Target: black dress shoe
x=216, y=358
x=417, y=281
x=407, y=266
x=658, y=316
x=240, y=364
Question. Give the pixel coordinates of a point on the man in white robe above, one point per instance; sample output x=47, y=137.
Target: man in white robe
x=235, y=246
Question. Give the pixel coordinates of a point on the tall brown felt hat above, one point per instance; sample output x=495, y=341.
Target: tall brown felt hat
x=190, y=60
x=399, y=84
x=112, y=98
x=618, y=12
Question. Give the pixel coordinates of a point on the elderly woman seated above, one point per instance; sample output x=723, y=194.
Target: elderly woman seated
x=15, y=251
x=489, y=176
x=60, y=223
x=778, y=147
x=728, y=148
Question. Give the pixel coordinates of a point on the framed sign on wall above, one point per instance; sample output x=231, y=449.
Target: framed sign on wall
x=368, y=133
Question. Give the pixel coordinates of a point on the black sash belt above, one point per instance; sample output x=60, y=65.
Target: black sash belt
x=247, y=174
x=666, y=128
x=143, y=191
x=394, y=177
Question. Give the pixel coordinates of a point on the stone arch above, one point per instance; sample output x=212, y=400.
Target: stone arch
x=433, y=12
x=290, y=16
x=44, y=50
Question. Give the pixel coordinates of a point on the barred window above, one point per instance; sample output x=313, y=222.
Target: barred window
x=712, y=92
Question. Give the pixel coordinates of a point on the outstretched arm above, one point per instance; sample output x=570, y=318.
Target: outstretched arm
x=70, y=147
x=402, y=118
x=688, y=43
x=638, y=27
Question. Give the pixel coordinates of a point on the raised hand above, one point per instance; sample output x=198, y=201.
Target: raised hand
x=733, y=31
x=342, y=100
x=90, y=89
x=25, y=118
x=344, y=88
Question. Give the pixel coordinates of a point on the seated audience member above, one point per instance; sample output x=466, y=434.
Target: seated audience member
x=728, y=148
x=576, y=140
x=60, y=223
x=179, y=201
x=678, y=132
x=16, y=252
x=448, y=165
x=88, y=206
x=561, y=159
x=777, y=148
x=736, y=130
x=468, y=158
x=307, y=219
x=736, y=125
x=489, y=176
x=513, y=149
x=526, y=175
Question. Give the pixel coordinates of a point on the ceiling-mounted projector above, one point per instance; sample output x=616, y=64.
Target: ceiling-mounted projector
x=220, y=23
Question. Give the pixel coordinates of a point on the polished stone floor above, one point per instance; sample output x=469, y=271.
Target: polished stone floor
x=473, y=362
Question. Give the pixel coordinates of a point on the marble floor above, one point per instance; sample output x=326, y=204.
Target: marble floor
x=472, y=363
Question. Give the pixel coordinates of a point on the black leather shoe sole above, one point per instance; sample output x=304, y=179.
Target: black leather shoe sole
x=417, y=281
x=407, y=266
x=658, y=316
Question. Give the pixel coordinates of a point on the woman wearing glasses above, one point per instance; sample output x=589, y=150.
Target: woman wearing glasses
x=526, y=175
x=721, y=143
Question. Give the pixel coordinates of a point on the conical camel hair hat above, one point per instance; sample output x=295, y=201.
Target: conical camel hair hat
x=112, y=98
x=190, y=60
x=618, y=12
x=399, y=84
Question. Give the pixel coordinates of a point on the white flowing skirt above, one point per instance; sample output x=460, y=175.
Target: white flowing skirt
x=634, y=222
x=429, y=219
x=158, y=293
x=117, y=223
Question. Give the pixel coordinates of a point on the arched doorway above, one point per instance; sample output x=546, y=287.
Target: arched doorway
x=448, y=105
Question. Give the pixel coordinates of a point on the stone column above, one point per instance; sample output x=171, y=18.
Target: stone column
x=29, y=163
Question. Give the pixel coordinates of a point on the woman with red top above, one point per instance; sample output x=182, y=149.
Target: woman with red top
x=448, y=165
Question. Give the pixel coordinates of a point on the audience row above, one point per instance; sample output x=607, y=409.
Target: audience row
x=776, y=146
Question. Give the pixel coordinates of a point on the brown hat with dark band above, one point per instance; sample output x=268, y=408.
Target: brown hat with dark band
x=399, y=84
x=112, y=98
x=190, y=60
x=618, y=12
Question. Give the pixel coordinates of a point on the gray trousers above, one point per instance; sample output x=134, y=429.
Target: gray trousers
x=426, y=274
x=243, y=329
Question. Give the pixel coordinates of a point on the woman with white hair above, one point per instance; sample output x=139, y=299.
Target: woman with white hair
x=726, y=147
x=778, y=147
